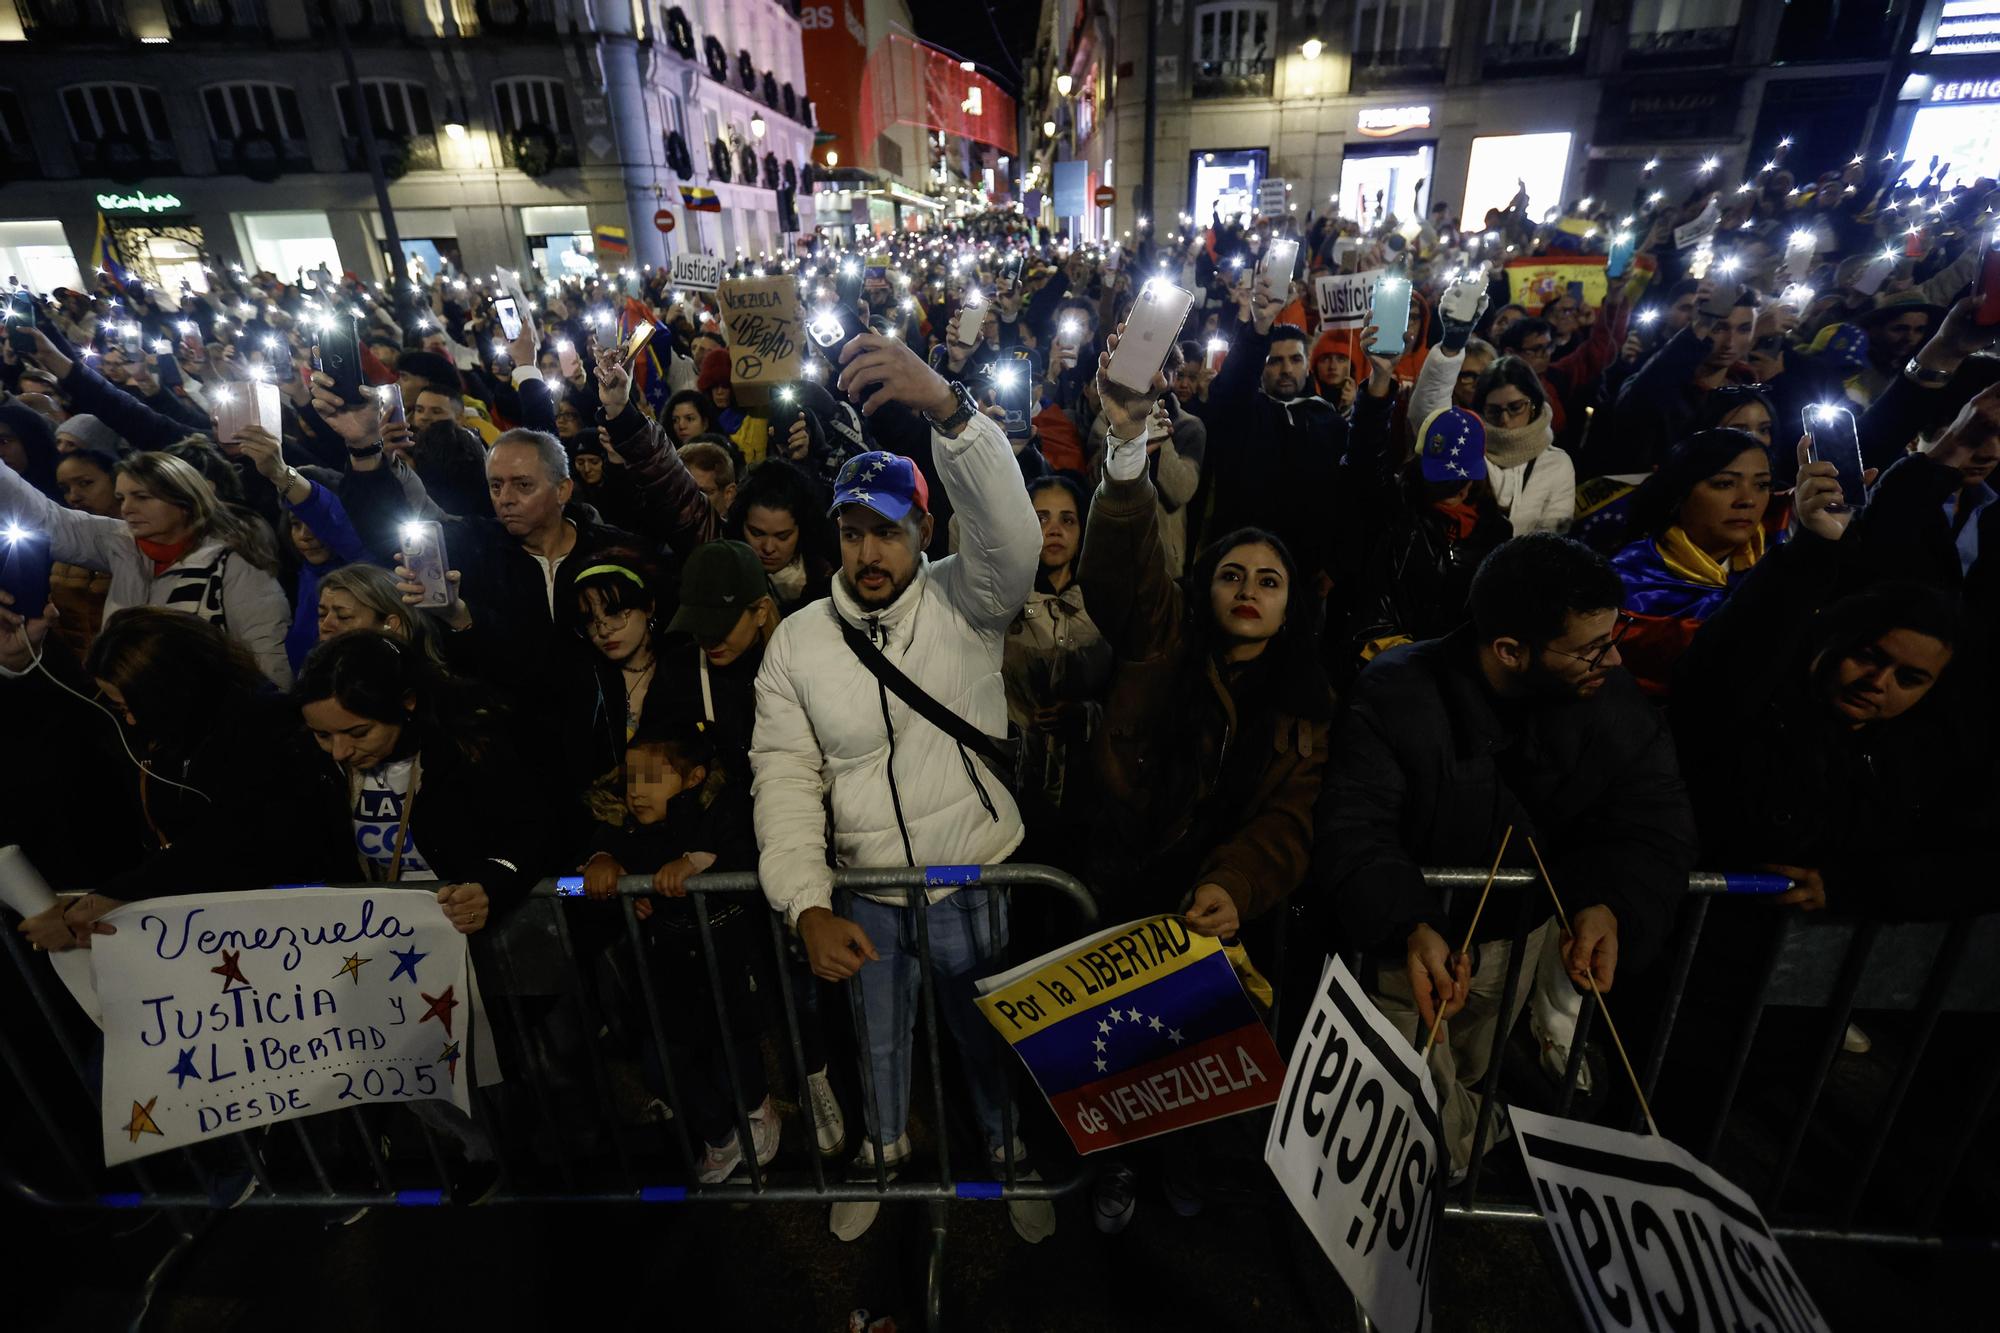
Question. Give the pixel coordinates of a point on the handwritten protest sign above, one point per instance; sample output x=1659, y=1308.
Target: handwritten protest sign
x=1535, y=282
x=1138, y=1031
x=225, y=1011
x=761, y=320
x=1344, y=298
x=1651, y=1237
x=699, y=273
x=1358, y=1148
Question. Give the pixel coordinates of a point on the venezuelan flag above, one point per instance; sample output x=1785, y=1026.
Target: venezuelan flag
x=1136, y=1032
x=700, y=199
x=104, y=254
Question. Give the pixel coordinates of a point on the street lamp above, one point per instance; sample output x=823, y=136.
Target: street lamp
x=454, y=130
x=1311, y=47
x=757, y=126
x=832, y=158
x=1063, y=84
x=1049, y=128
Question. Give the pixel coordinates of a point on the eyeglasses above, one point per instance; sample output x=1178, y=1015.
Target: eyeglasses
x=1535, y=349
x=1595, y=657
x=1501, y=413
x=587, y=625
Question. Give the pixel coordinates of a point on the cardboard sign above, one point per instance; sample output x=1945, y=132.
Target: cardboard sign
x=1138, y=1031
x=256, y=403
x=766, y=333
x=1535, y=282
x=699, y=273
x=225, y=1011
x=1358, y=1148
x=1651, y=1237
x=1271, y=196
x=1344, y=298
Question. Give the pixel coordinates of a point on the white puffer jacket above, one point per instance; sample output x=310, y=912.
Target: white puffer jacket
x=820, y=713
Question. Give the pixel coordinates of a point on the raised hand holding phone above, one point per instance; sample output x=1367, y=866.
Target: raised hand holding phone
x=1831, y=438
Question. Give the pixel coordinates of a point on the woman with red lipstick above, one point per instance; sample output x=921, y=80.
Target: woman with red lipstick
x=1698, y=526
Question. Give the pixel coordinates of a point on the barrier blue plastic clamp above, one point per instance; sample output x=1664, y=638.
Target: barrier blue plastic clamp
x=1756, y=883
x=939, y=876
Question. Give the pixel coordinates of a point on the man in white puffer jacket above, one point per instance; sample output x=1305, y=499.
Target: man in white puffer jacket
x=902, y=792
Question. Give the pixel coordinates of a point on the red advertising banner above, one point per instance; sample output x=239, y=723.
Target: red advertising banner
x=835, y=35
x=906, y=82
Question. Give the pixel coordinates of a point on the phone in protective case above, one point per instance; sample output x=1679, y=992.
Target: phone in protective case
x=1149, y=336
x=1389, y=312
x=972, y=318
x=21, y=323
x=1280, y=261
x=1832, y=438
x=509, y=315
x=832, y=328
x=391, y=396
x=566, y=358
x=25, y=561
x=1010, y=272
x=423, y=556
x=337, y=354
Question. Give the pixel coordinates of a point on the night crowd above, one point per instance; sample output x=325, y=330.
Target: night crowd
x=1673, y=564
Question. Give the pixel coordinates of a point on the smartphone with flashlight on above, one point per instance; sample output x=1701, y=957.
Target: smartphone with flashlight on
x=1008, y=378
x=21, y=323
x=832, y=328
x=391, y=396
x=25, y=561
x=1218, y=352
x=1389, y=312
x=1620, y=257
x=1010, y=273
x=1149, y=335
x=1831, y=437
x=566, y=358
x=337, y=355
x=423, y=556
x=165, y=369
x=971, y=318
x=509, y=315
x=1280, y=260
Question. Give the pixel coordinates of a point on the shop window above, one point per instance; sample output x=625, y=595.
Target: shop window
x=1831, y=30
x=119, y=130
x=1234, y=49
x=1400, y=41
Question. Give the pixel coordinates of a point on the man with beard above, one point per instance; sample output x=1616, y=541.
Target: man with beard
x=1521, y=719
x=833, y=738
x=1275, y=468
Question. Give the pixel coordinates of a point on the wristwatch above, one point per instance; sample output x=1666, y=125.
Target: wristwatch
x=1926, y=378
x=967, y=409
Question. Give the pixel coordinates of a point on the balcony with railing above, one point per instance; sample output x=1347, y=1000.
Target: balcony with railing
x=1412, y=64
x=126, y=158
x=1535, y=37
x=1679, y=46
x=400, y=153
x=261, y=156
x=72, y=21
x=1245, y=77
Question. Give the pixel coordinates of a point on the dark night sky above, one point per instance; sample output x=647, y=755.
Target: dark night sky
x=963, y=26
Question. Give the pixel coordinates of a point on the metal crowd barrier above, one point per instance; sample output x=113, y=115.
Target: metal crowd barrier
x=1819, y=963
x=337, y=1163
x=1813, y=963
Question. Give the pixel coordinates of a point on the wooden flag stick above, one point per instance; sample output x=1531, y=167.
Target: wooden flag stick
x=1591, y=977
x=1491, y=875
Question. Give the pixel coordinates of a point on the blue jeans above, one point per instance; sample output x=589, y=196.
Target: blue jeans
x=964, y=948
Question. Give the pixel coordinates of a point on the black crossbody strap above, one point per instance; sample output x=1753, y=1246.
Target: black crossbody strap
x=929, y=709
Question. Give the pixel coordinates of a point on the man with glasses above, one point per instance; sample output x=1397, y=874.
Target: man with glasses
x=1567, y=376
x=1521, y=719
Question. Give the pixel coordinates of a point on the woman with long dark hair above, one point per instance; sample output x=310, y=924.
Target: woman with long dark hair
x=1697, y=528
x=778, y=515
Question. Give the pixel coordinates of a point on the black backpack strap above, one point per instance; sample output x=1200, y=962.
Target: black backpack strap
x=926, y=707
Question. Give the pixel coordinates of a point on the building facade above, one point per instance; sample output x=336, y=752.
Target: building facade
x=1375, y=107
x=513, y=132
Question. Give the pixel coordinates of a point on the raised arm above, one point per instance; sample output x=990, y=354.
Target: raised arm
x=75, y=538
x=89, y=392
x=676, y=511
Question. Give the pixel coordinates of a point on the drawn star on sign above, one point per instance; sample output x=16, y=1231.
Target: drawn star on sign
x=352, y=968
x=406, y=963
x=450, y=1058
x=231, y=970
x=440, y=1008
x=184, y=1068
x=142, y=1121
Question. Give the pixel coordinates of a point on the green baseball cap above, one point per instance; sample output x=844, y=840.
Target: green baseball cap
x=719, y=582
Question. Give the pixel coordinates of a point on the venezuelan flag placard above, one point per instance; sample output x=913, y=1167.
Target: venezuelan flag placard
x=1138, y=1031
x=700, y=199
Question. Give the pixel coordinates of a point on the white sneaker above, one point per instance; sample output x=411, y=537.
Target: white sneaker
x=1034, y=1219
x=851, y=1220
x=829, y=1126
x=1856, y=1041
x=720, y=1160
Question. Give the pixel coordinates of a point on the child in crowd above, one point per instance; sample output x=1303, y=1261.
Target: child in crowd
x=677, y=816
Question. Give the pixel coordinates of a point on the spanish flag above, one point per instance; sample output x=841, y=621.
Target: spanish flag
x=700, y=199
x=104, y=254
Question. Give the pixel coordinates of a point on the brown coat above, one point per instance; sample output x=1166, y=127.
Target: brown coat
x=1265, y=840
